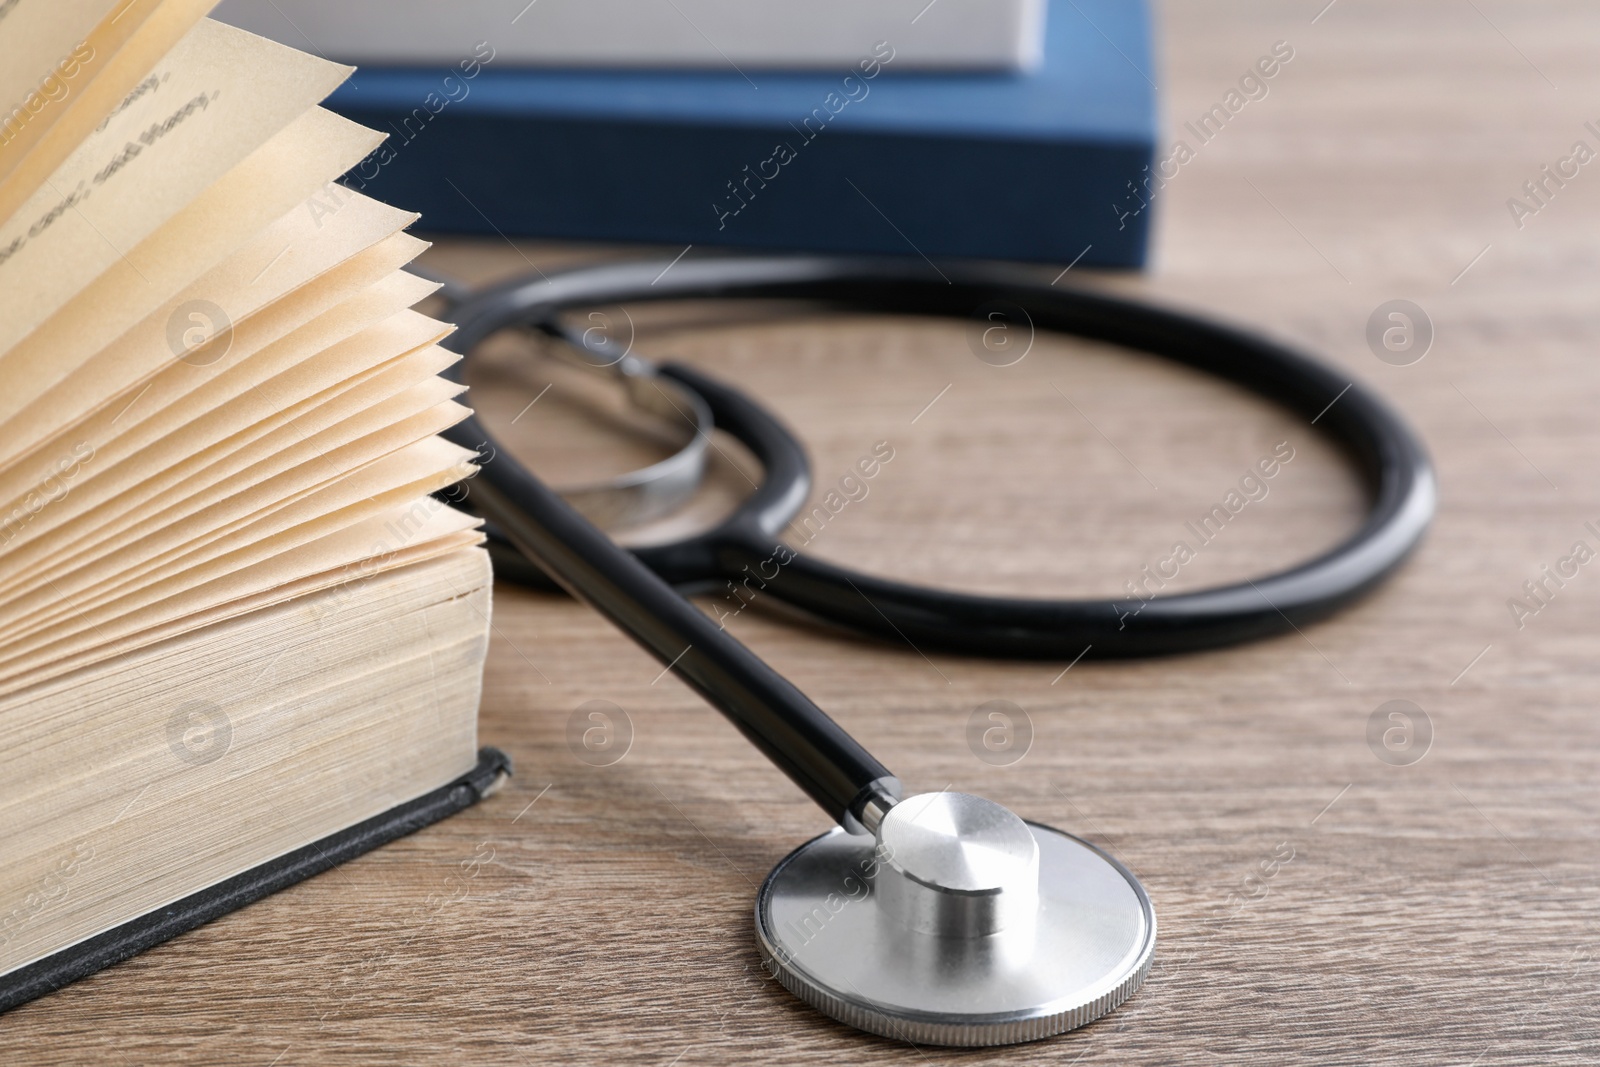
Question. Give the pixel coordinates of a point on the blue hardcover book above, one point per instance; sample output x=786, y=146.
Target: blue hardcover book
x=1048, y=166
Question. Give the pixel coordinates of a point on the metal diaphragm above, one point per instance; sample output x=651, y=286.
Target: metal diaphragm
x=956, y=924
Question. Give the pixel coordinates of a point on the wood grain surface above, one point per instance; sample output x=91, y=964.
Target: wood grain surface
x=1442, y=912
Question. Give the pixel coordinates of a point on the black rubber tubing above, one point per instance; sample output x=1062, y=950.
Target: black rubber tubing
x=1392, y=462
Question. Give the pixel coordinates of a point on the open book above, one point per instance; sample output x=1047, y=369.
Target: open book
x=233, y=620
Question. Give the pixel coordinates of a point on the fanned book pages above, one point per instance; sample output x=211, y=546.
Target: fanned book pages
x=234, y=619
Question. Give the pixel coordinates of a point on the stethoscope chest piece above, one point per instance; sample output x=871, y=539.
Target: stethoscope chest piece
x=957, y=923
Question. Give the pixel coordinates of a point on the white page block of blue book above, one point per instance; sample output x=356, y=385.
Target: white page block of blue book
x=701, y=34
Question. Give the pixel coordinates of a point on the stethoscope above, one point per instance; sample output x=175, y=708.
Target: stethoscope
x=940, y=918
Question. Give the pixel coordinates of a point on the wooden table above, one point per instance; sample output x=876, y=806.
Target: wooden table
x=1442, y=912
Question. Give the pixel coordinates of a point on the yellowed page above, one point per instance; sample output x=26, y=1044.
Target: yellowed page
x=85, y=650
x=275, y=265
x=41, y=57
x=99, y=70
x=304, y=547
x=221, y=94
x=176, y=446
x=302, y=463
x=323, y=485
x=299, y=248
x=35, y=36
x=171, y=470
x=284, y=172
x=363, y=290
x=377, y=346
x=357, y=295
x=131, y=542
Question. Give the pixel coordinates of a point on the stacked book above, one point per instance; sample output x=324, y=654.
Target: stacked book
x=1017, y=129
